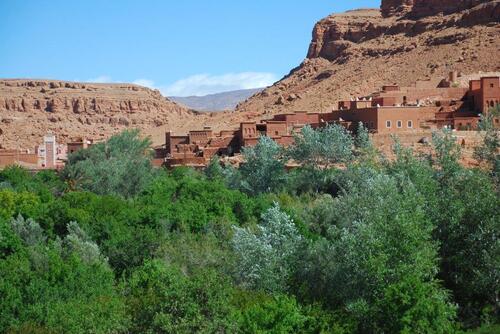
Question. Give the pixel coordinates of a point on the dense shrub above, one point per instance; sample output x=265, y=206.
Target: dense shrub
x=355, y=243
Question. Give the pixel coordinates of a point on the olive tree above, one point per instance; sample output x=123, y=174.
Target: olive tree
x=323, y=146
x=263, y=169
x=120, y=166
x=265, y=258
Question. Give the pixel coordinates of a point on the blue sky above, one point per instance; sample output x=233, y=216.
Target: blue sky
x=189, y=47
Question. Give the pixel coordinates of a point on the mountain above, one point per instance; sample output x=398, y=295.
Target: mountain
x=354, y=53
x=29, y=109
x=350, y=54
x=216, y=102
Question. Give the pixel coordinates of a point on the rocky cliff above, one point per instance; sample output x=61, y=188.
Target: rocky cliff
x=422, y=8
x=31, y=108
x=356, y=52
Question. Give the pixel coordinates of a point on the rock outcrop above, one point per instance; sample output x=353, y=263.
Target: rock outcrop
x=356, y=52
x=31, y=108
x=422, y=8
x=336, y=33
x=396, y=7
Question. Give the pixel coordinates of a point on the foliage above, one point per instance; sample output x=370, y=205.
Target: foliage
x=379, y=238
x=448, y=153
x=265, y=258
x=48, y=284
x=408, y=245
x=161, y=299
x=263, y=169
x=489, y=152
x=322, y=147
x=277, y=314
x=120, y=166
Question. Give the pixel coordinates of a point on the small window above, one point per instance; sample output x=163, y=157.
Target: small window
x=410, y=124
x=372, y=125
x=388, y=124
x=400, y=124
x=492, y=85
x=276, y=133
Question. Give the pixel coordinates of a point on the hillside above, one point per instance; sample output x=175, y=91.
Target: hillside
x=356, y=52
x=352, y=53
x=216, y=102
x=31, y=108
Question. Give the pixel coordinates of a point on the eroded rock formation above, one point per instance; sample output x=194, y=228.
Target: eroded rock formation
x=355, y=52
x=31, y=108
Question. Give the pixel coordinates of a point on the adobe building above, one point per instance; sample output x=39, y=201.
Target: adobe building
x=197, y=147
x=51, y=155
x=48, y=155
x=77, y=144
x=24, y=158
x=427, y=104
x=400, y=109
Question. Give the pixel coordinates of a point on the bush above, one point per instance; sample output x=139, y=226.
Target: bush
x=121, y=166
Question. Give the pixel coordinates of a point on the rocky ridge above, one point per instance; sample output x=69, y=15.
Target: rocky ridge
x=356, y=52
x=31, y=108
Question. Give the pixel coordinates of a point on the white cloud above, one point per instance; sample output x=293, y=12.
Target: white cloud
x=100, y=79
x=203, y=84
x=145, y=83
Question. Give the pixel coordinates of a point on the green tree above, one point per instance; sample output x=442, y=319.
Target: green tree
x=161, y=299
x=448, y=154
x=120, y=166
x=489, y=151
x=265, y=259
x=322, y=147
x=379, y=237
x=263, y=169
x=214, y=170
x=61, y=286
x=277, y=314
x=468, y=231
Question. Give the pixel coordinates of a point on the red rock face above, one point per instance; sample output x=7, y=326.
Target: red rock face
x=422, y=8
x=31, y=108
x=395, y=7
x=354, y=53
x=433, y=7
x=335, y=35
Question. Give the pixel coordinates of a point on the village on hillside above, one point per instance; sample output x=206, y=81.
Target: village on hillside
x=428, y=105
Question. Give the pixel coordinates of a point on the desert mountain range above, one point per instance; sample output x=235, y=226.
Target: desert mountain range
x=351, y=54
x=354, y=53
x=216, y=102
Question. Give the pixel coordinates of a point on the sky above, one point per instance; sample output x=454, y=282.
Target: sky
x=182, y=48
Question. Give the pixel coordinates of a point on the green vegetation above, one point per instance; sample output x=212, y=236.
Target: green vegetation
x=349, y=242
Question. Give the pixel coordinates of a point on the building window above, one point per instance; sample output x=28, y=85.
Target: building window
x=492, y=85
x=276, y=133
x=410, y=124
x=399, y=124
x=388, y=124
x=372, y=125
